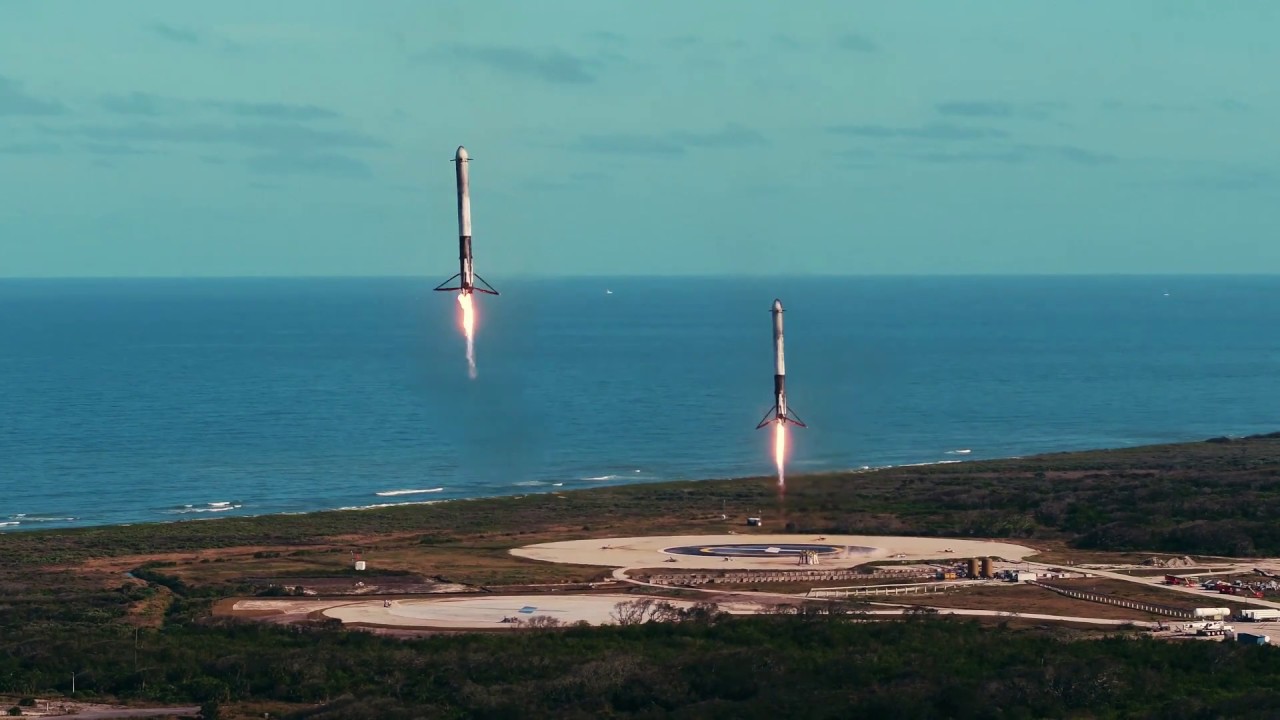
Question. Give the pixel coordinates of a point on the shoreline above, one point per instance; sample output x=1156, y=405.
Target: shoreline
x=214, y=510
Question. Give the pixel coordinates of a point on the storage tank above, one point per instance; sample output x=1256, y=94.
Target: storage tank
x=1211, y=612
x=987, y=568
x=973, y=567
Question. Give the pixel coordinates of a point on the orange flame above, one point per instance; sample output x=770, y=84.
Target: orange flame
x=780, y=451
x=469, y=329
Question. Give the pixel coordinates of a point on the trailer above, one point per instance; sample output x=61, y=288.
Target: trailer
x=1258, y=614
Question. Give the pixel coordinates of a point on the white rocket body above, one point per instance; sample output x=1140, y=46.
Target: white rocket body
x=779, y=412
x=464, y=221
x=466, y=276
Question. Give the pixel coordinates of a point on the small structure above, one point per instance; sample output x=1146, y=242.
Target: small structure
x=753, y=521
x=357, y=559
x=1253, y=638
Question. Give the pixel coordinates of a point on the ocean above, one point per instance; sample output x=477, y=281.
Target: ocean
x=125, y=401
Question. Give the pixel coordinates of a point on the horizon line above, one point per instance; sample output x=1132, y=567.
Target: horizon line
x=646, y=276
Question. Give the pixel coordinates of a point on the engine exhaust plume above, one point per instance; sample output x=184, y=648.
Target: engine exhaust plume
x=467, y=303
x=780, y=452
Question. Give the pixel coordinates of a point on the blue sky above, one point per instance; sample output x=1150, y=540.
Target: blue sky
x=313, y=138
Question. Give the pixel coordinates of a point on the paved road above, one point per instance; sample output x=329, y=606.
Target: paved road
x=131, y=713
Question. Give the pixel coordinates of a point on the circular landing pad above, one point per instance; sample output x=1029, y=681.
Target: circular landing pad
x=754, y=550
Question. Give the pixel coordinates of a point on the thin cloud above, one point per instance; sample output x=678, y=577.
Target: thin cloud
x=1071, y=153
x=274, y=136
x=146, y=104
x=324, y=164
x=1152, y=107
x=855, y=42
x=621, y=144
x=1008, y=157
x=1239, y=179
x=31, y=148
x=553, y=65
x=1018, y=154
x=786, y=42
x=976, y=109
x=572, y=182
x=608, y=37
x=274, y=111
x=16, y=101
x=172, y=33
x=117, y=149
x=732, y=135
x=138, y=103
x=931, y=131
x=998, y=109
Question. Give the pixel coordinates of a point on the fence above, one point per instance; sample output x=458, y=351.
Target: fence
x=869, y=590
x=1118, y=602
x=774, y=576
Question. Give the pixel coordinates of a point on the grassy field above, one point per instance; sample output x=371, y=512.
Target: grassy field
x=67, y=603
x=1153, y=595
x=1022, y=599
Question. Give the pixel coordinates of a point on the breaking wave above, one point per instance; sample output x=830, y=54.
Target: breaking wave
x=378, y=506
x=25, y=518
x=206, y=508
x=393, y=493
x=926, y=464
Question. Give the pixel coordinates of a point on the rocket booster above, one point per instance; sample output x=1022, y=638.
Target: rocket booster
x=466, y=278
x=779, y=412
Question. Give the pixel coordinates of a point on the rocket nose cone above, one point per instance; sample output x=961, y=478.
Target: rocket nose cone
x=777, y=306
x=461, y=154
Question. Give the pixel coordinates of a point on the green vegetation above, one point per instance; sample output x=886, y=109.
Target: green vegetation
x=767, y=666
x=66, y=605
